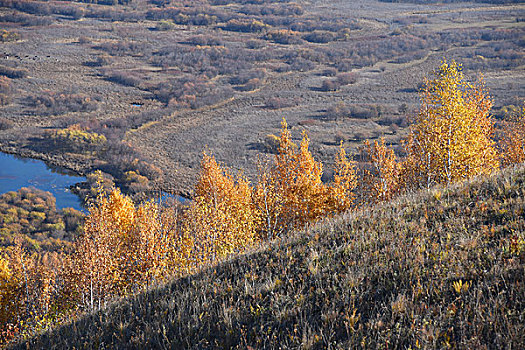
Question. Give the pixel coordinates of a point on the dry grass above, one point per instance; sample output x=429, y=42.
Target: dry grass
x=130, y=70
x=437, y=269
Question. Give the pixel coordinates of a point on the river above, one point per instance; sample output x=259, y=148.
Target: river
x=17, y=172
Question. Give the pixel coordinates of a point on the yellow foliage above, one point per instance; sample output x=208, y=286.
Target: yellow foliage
x=341, y=196
x=78, y=138
x=28, y=290
x=452, y=136
x=222, y=220
x=382, y=181
x=124, y=247
x=8, y=284
x=514, y=139
x=292, y=194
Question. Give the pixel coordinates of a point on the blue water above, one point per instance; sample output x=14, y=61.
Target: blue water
x=16, y=172
x=166, y=197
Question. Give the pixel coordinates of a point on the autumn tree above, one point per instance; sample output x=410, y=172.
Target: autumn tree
x=513, y=140
x=222, y=219
x=124, y=248
x=341, y=194
x=451, y=138
x=291, y=193
x=30, y=289
x=381, y=181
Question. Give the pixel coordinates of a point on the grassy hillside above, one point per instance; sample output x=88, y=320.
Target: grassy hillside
x=443, y=268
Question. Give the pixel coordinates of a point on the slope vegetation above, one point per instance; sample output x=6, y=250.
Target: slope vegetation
x=443, y=268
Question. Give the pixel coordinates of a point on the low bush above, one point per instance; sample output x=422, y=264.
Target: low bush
x=330, y=85
x=283, y=36
x=329, y=72
x=78, y=139
x=123, y=77
x=340, y=80
x=6, y=89
x=6, y=86
x=205, y=40
x=164, y=25
x=7, y=36
x=53, y=103
x=247, y=26
x=5, y=123
x=321, y=37
x=255, y=44
x=361, y=111
x=281, y=102
x=347, y=78
x=13, y=73
x=245, y=77
x=26, y=20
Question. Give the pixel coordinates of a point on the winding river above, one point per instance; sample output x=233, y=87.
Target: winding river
x=17, y=172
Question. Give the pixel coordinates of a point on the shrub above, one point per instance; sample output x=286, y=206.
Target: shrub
x=6, y=86
x=122, y=48
x=283, y=36
x=77, y=139
x=165, y=25
x=84, y=40
x=247, y=26
x=321, y=37
x=32, y=7
x=330, y=85
x=338, y=111
x=13, y=73
x=53, y=103
x=330, y=72
x=4, y=99
x=75, y=12
x=7, y=36
x=271, y=144
x=347, y=78
x=135, y=183
x=250, y=85
x=255, y=44
x=5, y=124
x=300, y=64
x=365, y=111
x=123, y=78
x=245, y=77
x=102, y=60
x=281, y=102
x=26, y=20
x=204, y=40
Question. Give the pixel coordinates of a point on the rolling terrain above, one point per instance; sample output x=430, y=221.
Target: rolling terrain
x=162, y=81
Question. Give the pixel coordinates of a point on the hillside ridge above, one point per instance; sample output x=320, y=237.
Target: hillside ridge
x=434, y=269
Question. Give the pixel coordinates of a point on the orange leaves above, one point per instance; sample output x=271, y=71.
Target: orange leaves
x=222, y=220
x=452, y=135
x=229, y=215
x=382, y=181
x=124, y=247
x=450, y=140
x=298, y=180
x=340, y=192
x=291, y=193
x=30, y=287
x=514, y=139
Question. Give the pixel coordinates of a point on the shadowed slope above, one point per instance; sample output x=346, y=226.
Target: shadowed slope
x=436, y=269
